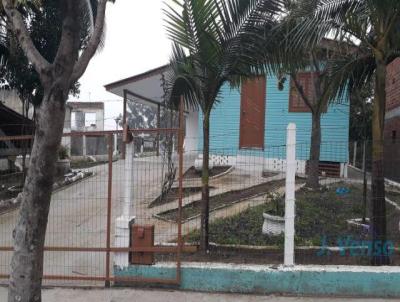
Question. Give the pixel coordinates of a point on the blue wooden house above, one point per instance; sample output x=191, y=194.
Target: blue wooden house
x=251, y=121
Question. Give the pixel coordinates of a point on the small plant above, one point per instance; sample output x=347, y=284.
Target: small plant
x=277, y=203
x=63, y=153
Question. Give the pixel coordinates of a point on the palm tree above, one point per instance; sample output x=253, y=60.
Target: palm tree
x=373, y=28
x=315, y=94
x=209, y=51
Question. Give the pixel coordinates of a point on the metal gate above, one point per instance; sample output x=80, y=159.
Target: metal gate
x=80, y=240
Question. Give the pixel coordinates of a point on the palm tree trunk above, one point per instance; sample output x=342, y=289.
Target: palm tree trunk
x=205, y=193
x=29, y=233
x=315, y=150
x=378, y=182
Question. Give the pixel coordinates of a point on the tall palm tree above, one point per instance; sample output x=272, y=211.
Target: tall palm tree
x=209, y=51
x=373, y=27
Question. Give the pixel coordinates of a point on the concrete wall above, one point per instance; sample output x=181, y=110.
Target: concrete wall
x=259, y=279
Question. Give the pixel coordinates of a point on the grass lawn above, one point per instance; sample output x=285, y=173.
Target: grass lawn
x=319, y=215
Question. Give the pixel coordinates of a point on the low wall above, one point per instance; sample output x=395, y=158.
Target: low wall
x=258, y=279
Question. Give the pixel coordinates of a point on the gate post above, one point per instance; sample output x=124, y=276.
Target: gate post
x=291, y=166
x=109, y=204
x=123, y=222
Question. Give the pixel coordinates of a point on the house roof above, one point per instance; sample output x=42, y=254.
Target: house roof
x=12, y=123
x=144, y=88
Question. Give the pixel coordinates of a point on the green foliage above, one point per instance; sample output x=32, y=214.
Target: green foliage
x=45, y=19
x=361, y=113
x=277, y=204
x=368, y=28
x=211, y=46
x=318, y=213
x=63, y=152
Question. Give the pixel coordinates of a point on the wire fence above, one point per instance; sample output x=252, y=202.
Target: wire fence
x=100, y=198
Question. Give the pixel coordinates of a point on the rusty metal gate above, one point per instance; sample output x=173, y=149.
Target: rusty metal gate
x=79, y=246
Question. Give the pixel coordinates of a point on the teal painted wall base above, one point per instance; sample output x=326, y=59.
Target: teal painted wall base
x=300, y=280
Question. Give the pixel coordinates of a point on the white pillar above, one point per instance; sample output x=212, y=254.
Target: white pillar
x=290, y=194
x=122, y=231
x=115, y=144
x=128, y=176
x=84, y=153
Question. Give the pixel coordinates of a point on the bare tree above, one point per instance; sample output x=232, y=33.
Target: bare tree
x=56, y=78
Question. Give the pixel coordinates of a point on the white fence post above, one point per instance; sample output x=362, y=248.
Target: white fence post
x=122, y=222
x=291, y=166
x=115, y=144
x=84, y=152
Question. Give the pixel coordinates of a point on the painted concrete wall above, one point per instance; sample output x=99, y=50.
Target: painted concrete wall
x=225, y=123
x=298, y=280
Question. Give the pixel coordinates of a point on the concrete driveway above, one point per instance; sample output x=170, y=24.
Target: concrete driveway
x=129, y=295
x=78, y=217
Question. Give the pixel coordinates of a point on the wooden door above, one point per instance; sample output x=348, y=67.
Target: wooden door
x=252, y=113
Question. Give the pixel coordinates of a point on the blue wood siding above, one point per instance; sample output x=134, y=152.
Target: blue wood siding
x=225, y=123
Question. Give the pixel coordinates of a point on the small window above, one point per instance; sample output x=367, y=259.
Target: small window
x=90, y=119
x=394, y=136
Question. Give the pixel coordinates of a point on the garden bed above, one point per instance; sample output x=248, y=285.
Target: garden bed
x=394, y=196
x=191, y=173
x=84, y=164
x=321, y=219
x=271, y=256
x=218, y=201
x=173, y=195
x=268, y=174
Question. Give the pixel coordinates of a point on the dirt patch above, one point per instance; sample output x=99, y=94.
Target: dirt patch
x=173, y=195
x=192, y=173
x=267, y=174
x=221, y=200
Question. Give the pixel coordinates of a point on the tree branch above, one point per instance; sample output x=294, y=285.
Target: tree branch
x=24, y=39
x=300, y=90
x=93, y=43
x=70, y=36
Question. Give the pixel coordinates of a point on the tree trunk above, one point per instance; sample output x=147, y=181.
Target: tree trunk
x=205, y=193
x=380, y=256
x=29, y=233
x=315, y=150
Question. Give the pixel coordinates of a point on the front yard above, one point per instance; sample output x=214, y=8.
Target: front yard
x=321, y=219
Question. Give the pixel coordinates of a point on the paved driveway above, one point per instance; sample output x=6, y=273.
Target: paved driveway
x=78, y=214
x=78, y=217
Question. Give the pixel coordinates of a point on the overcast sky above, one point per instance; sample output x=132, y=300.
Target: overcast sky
x=135, y=42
